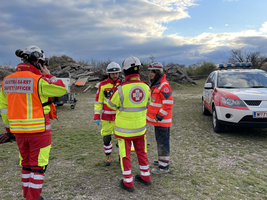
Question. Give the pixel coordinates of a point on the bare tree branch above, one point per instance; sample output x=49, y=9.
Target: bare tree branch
x=239, y=55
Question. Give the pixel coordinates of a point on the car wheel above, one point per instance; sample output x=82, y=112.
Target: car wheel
x=205, y=111
x=217, y=127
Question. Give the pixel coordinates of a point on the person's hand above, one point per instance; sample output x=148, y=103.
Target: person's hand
x=7, y=137
x=97, y=121
x=44, y=70
x=158, y=118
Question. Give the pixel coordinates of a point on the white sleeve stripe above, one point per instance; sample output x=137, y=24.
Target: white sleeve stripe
x=167, y=101
x=163, y=112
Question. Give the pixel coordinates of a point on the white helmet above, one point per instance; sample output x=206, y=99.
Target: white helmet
x=113, y=68
x=130, y=62
x=34, y=52
x=155, y=66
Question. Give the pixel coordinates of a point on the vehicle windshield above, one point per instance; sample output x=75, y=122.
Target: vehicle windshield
x=248, y=79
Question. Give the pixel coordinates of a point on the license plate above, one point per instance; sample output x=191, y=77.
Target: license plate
x=259, y=114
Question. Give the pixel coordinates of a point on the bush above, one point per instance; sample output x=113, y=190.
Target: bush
x=204, y=69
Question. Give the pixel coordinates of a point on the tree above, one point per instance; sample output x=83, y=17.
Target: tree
x=190, y=69
x=152, y=58
x=239, y=55
x=204, y=69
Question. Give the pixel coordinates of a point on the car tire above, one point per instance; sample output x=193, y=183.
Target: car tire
x=205, y=111
x=217, y=127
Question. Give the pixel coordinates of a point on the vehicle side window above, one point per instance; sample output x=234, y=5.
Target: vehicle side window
x=211, y=79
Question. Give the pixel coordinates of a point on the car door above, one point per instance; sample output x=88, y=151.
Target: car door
x=208, y=90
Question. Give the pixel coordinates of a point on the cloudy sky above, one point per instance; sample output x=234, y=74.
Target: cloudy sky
x=179, y=31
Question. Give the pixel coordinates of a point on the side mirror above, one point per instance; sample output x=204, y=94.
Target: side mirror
x=208, y=86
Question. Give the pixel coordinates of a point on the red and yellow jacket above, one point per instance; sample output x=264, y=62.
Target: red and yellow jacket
x=101, y=101
x=22, y=96
x=130, y=100
x=161, y=103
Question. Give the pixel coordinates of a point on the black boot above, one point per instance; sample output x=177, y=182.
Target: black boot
x=41, y=198
x=139, y=179
x=129, y=189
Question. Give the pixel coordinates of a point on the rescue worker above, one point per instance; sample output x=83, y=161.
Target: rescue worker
x=159, y=114
x=130, y=100
x=103, y=112
x=25, y=112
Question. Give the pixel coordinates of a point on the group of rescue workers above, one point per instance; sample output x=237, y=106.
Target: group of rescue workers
x=122, y=107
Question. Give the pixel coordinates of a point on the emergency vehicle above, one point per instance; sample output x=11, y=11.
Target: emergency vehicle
x=236, y=96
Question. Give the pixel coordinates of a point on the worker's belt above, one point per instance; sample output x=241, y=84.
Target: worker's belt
x=47, y=103
x=42, y=171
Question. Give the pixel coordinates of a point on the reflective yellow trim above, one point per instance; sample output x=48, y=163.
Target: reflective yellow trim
x=20, y=159
x=121, y=143
x=29, y=106
x=145, y=143
x=27, y=120
x=44, y=156
x=22, y=125
x=21, y=130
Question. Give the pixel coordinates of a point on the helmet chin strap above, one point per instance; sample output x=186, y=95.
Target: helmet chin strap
x=35, y=65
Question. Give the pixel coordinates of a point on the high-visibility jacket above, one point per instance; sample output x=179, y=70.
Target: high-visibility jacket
x=21, y=100
x=101, y=107
x=130, y=100
x=161, y=103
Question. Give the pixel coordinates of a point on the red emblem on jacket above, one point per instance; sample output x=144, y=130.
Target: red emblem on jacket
x=137, y=95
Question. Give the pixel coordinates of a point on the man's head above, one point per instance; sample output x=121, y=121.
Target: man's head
x=155, y=69
x=113, y=69
x=33, y=55
x=131, y=65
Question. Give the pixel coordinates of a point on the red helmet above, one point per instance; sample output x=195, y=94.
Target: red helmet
x=155, y=66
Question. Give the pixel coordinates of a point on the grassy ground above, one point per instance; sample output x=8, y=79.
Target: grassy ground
x=205, y=165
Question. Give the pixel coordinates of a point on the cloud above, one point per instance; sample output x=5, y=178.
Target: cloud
x=264, y=28
x=226, y=24
x=84, y=29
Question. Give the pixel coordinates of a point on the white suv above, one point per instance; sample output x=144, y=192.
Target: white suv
x=236, y=97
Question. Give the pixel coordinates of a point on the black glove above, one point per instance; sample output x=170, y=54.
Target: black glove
x=7, y=137
x=159, y=117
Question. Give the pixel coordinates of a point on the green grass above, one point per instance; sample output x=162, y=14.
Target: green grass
x=205, y=165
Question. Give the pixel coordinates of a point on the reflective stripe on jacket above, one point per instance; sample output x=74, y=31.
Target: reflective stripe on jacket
x=101, y=109
x=25, y=110
x=161, y=103
x=47, y=86
x=130, y=99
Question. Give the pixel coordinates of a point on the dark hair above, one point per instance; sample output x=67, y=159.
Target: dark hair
x=132, y=70
x=157, y=72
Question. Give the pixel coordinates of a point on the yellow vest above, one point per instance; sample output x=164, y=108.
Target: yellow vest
x=131, y=99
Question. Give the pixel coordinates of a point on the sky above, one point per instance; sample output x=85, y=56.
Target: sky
x=179, y=31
